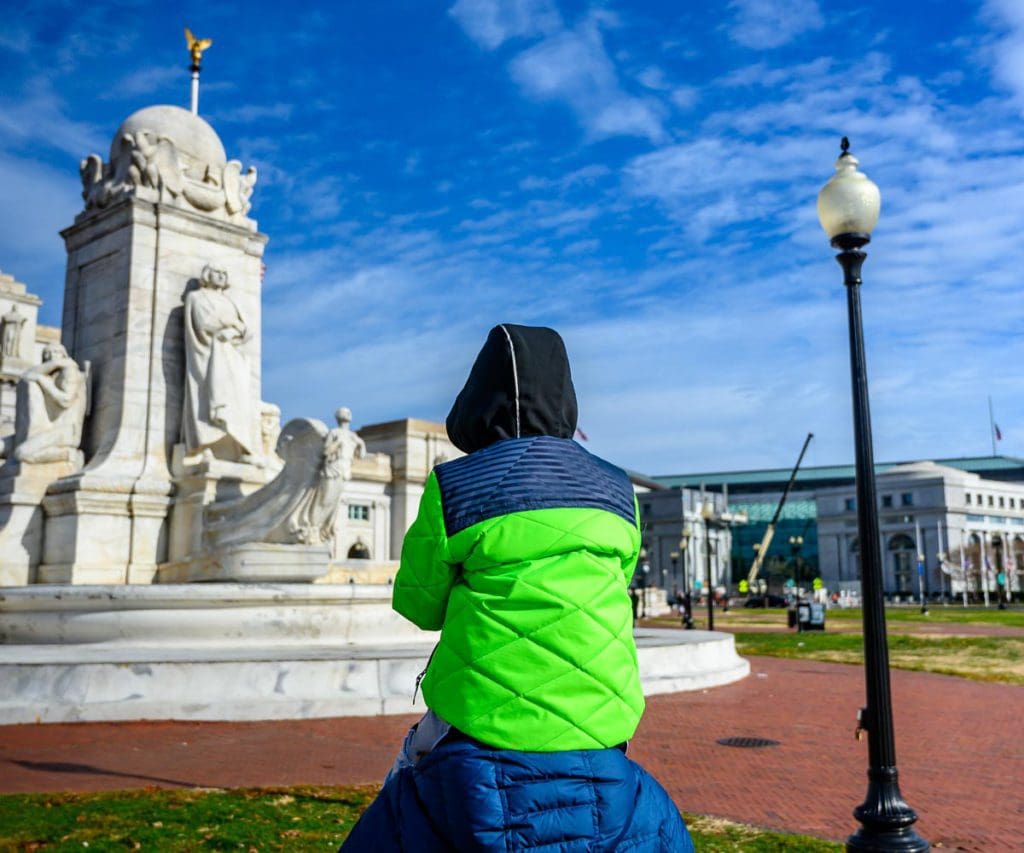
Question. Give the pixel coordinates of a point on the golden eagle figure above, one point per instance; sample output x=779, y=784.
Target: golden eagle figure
x=196, y=46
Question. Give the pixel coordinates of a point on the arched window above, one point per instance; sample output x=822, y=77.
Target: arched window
x=359, y=551
x=903, y=555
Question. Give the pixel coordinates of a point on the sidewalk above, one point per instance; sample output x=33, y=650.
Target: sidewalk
x=958, y=746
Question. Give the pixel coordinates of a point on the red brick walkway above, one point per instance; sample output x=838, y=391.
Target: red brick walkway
x=959, y=747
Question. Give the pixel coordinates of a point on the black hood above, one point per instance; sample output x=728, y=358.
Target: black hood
x=520, y=385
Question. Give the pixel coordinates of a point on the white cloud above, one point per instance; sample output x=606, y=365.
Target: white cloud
x=762, y=24
x=149, y=79
x=41, y=118
x=573, y=66
x=492, y=22
x=685, y=97
x=248, y=113
x=1007, y=51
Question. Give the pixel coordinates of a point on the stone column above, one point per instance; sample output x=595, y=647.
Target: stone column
x=167, y=204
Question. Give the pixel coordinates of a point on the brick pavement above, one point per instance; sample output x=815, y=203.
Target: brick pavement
x=958, y=746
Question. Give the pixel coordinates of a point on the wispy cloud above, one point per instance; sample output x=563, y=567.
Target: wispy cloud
x=41, y=118
x=1007, y=48
x=492, y=22
x=248, y=113
x=764, y=24
x=569, y=65
x=573, y=66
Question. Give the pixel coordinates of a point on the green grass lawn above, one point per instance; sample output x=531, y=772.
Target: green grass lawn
x=293, y=819
x=998, y=659
x=1012, y=617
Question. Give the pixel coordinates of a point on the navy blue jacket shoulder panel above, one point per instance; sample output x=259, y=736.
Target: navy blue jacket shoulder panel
x=538, y=472
x=470, y=798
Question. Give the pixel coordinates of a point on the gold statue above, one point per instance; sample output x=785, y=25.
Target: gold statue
x=196, y=46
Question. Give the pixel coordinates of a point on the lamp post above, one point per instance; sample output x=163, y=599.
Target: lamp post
x=684, y=546
x=796, y=543
x=848, y=207
x=707, y=512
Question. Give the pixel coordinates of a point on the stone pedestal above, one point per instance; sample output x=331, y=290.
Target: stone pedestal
x=129, y=266
x=104, y=530
x=22, y=488
x=257, y=562
x=200, y=481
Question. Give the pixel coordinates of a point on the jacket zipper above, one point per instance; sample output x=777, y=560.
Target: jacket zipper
x=419, y=677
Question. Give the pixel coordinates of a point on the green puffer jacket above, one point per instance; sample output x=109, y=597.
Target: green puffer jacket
x=522, y=554
x=536, y=649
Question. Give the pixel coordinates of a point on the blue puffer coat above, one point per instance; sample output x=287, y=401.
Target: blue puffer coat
x=466, y=797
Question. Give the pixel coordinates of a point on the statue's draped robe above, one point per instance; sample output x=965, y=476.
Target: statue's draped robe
x=316, y=514
x=51, y=412
x=217, y=398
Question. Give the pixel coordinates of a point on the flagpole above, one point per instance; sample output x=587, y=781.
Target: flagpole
x=991, y=425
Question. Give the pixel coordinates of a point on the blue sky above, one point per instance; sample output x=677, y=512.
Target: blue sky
x=641, y=176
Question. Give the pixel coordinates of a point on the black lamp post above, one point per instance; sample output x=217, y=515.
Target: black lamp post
x=848, y=207
x=684, y=548
x=707, y=512
x=796, y=544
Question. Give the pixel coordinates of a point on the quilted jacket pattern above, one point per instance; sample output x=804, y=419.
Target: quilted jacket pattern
x=467, y=798
x=521, y=554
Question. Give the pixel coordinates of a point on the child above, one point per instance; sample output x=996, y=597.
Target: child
x=521, y=555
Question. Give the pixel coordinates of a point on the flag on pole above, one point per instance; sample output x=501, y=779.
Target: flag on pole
x=581, y=434
x=999, y=434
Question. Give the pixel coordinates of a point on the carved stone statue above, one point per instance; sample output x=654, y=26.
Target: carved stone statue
x=315, y=517
x=148, y=162
x=300, y=504
x=52, y=403
x=342, y=446
x=219, y=412
x=270, y=428
x=11, y=335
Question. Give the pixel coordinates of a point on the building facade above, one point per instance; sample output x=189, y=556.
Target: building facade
x=681, y=552
x=948, y=527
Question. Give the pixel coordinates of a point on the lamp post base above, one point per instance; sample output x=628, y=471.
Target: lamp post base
x=887, y=822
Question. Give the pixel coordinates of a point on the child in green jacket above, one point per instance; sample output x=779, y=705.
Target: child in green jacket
x=521, y=555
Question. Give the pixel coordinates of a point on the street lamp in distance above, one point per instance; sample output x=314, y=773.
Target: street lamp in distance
x=796, y=544
x=684, y=546
x=707, y=512
x=848, y=208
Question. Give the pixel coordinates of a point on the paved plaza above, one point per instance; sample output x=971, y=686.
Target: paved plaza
x=958, y=745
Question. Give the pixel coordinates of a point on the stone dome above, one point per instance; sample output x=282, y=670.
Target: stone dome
x=189, y=133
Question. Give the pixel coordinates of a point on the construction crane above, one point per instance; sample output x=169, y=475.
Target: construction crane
x=762, y=550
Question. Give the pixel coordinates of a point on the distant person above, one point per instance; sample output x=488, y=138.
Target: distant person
x=522, y=554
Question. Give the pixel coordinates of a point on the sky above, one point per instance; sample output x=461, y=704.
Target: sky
x=640, y=176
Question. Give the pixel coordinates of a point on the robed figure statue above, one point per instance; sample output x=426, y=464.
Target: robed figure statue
x=52, y=402
x=219, y=414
